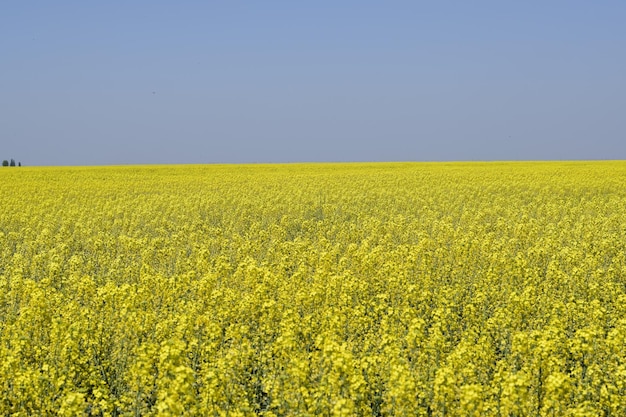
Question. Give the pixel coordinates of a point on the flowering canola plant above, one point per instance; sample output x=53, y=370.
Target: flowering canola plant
x=409, y=289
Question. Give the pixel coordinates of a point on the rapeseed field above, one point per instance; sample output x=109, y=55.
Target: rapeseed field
x=388, y=289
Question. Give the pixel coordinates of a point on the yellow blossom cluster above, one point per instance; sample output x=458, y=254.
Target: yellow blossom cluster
x=408, y=289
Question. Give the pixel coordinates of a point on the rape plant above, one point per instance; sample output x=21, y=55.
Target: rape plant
x=460, y=289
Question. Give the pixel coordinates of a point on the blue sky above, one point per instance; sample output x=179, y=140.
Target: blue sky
x=130, y=82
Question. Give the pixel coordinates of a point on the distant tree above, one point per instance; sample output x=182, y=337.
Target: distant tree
x=5, y=163
x=12, y=162
x=19, y=164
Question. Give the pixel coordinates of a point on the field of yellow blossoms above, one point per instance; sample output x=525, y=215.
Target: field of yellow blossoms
x=407, y=289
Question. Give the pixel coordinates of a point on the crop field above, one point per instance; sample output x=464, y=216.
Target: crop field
x=407, y=289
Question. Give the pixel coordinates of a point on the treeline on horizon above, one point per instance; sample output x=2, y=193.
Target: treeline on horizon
x=6, y=163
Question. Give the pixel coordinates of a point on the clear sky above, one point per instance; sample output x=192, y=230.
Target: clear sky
x=138, y=81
